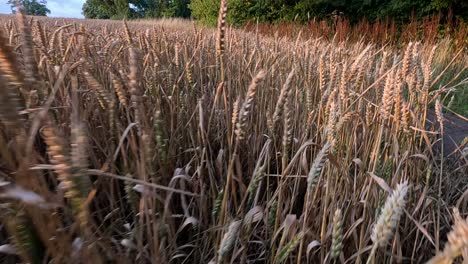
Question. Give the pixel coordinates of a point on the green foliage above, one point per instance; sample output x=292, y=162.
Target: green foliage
x=240, y=11
x=91, y=10
x=114, y=9
x=128, y=9
x=457, y=101
x=117, y=9
x=205, y=11
x=179, y=8
x=31, y=7
x=122, y=9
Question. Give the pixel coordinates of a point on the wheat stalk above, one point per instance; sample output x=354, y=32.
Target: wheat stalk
x=439, y=115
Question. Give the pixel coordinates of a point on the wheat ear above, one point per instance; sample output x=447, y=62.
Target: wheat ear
x=439, y=115
x=337, y=234
x=317, y=166
x=229, y=239
x=282, y=98
x=247, y=105
x=390, y=215
x=457, y=242
x=388, y=218
x=387, y=97
x=221, y=28
x=406, y=61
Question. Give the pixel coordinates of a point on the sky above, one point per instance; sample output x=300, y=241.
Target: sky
x=58, y=8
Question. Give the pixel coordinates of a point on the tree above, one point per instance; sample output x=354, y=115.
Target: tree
x=241, y=11
x=31, y=7
x=91, y=10
x=205, y=11
x=118, y=9
x=176, y=8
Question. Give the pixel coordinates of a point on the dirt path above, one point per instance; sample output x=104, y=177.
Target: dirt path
x=455, y=131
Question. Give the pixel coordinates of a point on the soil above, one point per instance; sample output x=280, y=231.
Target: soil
x=455, y=131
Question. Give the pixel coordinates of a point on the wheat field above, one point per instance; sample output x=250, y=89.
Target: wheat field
x=167, y=142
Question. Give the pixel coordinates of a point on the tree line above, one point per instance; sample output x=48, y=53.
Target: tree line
x=241, y=11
